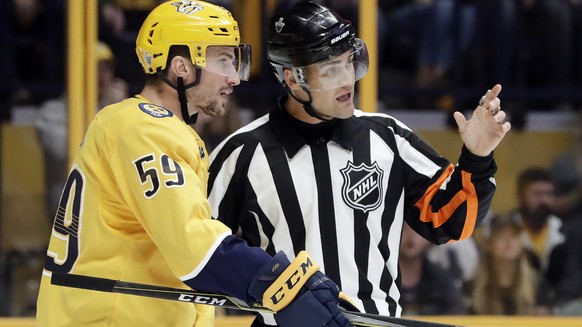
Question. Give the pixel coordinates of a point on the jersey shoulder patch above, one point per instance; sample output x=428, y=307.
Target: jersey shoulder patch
x=155, y=110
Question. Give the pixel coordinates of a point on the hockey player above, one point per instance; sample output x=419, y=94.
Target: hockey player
x=134, y=205
x=315, y=174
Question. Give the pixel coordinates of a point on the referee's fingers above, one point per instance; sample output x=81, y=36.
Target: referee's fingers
x=490, y=100
x=492, y=93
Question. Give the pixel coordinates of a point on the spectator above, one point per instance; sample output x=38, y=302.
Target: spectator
x=119, y=23
x=51, y=124
x=548, y=30
x=495, y=22
x=505, y=283
x=535, y=195
x=536, y=51
x=566, y=172
x=469, y=43
x=35, y=34
x=461, y=257
x=431, y=33
x=427, y=288
x=543, y=237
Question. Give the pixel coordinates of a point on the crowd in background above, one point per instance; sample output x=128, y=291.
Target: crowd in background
x=523, y=262
x=434, y=55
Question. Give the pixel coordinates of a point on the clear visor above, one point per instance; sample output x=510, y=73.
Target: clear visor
x=233, y=62
x=340, y=71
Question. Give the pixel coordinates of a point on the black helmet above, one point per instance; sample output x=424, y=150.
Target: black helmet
x=310, y=33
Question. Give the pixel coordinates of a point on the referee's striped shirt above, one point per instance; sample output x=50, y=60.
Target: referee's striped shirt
x=344, y=196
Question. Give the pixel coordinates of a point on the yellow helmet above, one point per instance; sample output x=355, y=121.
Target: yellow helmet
x=195, y=24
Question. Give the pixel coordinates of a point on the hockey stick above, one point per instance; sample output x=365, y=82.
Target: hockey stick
x=219, y=300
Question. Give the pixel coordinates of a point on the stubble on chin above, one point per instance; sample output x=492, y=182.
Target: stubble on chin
x=213, y=109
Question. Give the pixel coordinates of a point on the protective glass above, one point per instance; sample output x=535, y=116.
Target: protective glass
x=233, y=62
x=337, y=72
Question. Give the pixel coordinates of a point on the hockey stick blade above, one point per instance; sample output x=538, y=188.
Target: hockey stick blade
x=214, y=299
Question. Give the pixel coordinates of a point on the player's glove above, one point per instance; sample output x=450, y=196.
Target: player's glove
x=298, y=292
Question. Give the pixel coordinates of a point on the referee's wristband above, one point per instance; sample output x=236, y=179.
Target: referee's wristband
x=477, y=164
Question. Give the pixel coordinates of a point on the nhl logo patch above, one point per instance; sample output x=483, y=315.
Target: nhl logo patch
x=155, y=111
x=362, y=187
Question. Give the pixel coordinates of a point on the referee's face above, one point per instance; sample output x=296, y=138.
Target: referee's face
x=331, y=84
x=337, y=103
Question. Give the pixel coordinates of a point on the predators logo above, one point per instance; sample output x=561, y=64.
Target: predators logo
x=187, y=7
x=155, y=111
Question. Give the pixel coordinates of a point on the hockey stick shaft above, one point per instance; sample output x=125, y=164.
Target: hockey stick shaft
x=214, y=299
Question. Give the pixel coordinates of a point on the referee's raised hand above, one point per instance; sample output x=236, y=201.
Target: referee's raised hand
x=486, y=128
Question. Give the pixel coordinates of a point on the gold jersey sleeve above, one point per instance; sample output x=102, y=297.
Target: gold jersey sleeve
x=134, y=207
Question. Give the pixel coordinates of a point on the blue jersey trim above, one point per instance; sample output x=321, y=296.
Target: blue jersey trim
x=231, y=268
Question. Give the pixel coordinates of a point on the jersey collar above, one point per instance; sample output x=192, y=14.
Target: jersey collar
x=343, y=133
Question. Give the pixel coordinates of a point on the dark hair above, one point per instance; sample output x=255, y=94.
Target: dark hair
x=530, y=175
x=499, y=222
x=175, y=50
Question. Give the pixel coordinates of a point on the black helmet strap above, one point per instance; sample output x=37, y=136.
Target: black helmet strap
x=307, y=104
x=181, y=89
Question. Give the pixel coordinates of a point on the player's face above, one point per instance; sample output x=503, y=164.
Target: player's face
x=217, y=82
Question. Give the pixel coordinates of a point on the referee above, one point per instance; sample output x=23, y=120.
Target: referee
x=317, y=174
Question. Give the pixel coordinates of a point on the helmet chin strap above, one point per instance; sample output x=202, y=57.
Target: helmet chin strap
x=181, y=89
x=307, y=104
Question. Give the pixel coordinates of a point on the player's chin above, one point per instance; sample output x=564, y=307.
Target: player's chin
x=215, y=111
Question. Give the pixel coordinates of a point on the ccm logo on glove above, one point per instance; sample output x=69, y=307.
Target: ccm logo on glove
x=289, y=283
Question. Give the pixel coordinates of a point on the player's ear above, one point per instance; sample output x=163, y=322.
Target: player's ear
x=291, y=80
x=180, y=66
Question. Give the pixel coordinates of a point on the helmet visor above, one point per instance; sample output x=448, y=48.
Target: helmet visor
x=233, y=62
x=336, y=72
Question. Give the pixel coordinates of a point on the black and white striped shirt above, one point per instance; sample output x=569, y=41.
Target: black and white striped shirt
x=344, y=197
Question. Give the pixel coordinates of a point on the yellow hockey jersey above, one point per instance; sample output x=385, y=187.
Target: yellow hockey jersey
x=133, y=208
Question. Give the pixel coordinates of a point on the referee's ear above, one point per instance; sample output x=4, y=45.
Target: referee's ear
x=290, y=80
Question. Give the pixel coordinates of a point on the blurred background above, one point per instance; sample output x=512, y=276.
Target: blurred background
x=429, y=59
